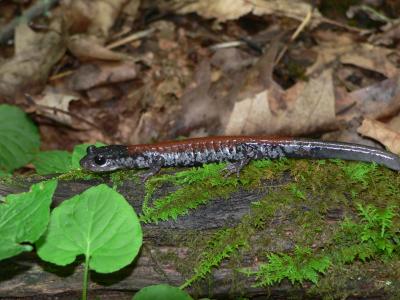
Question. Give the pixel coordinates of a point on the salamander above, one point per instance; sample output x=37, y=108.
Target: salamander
x=237, y=150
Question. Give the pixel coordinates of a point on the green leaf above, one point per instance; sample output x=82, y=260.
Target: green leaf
x=2, y=173
x=51, y=162
x=19, y=138
x=24, y=218
x=79, y=152
x=161, y=292
x=98, y=223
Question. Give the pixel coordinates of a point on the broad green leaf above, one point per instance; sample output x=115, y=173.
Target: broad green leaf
x=161, y=292
x=19, y=138
x=79, y=152
x=98, y=223
x=51, y=162
x=24, y=218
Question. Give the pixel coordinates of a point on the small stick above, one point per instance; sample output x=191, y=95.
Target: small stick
x=130, y=38
x=299, y=29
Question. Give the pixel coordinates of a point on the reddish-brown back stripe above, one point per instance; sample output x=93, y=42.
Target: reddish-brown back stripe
x=198, y=144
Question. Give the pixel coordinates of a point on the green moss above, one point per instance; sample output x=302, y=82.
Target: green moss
x=297, y=210
x=119, y=177
x=302, y=266
x=226, y=243
x=317, y=187
x=198, y=186
x=80, y=174
x=219, y=247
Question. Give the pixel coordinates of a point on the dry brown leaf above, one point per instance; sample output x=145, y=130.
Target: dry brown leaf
x=394, y=123
x=344, y=48
x=311, y=107
x=224, y=10
x=389, y=34
x=103, y=93
x=35, y=55
x=328, y=51
x=94, y=18
x=376, y=101
x=144, y=131
x=91, y=75
x=87, y=47
x=371, y=58
x=98, y=15
x=58, y=100
x=382, y=133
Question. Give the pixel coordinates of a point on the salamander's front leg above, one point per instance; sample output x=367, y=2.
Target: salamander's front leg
x=236, y=167
x=155, y=167
x=247, y=153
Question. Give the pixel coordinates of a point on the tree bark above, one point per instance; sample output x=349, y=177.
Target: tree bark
x=165, y=249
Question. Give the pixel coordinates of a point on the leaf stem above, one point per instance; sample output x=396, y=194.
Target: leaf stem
x=85, y=278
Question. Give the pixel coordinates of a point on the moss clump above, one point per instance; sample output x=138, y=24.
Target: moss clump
x=298, y=211
x=81, y=174
x=303, y=265
x=197, y=186
x=118, y=178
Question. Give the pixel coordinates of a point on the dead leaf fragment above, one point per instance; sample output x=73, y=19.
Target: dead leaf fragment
x=345, y=49
x=97, y=15
x=371, y=58
x=224, y=10
x=312, y=107
x=91, y=75
x=381, y=132
x=379, y=100
x=86, y=47
x=54, y=103
x=35, y=55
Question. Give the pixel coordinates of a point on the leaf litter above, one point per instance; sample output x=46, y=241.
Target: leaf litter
x=137, y=72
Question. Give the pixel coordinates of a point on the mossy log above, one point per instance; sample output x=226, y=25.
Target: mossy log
x=275, y=213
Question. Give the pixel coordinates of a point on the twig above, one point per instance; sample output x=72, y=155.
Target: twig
x=130, y=38
x=33, y=12
x=61, y=75
x=223, y=45
x=55, y=109
x=299, y=29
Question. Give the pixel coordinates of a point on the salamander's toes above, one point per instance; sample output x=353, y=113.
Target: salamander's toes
x=231, y=169
x=235, y=167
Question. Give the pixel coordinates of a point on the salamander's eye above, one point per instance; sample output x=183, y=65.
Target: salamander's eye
x=100, y=160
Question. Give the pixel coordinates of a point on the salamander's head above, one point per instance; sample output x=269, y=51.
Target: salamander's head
x=103, y=159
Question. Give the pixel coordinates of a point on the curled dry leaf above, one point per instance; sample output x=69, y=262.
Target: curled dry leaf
x=145, y=131
x=311, y=107
x=95, y=17
x=91, y=75
x=345, y=49
x=375, y=101
x=54, y=103
x=371, y=58
x=224, y=10
x=390, y=33
x=382, y=133
x=35, y=55
x=86, y=47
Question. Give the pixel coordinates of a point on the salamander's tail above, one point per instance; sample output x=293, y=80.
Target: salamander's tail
x=346, y=151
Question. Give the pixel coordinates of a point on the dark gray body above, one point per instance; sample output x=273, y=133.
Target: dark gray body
x=237, y=150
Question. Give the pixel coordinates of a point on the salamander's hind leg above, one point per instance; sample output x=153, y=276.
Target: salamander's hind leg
x=155, y=167
x=235, y=167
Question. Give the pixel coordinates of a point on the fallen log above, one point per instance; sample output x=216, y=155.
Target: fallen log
x=225, y=229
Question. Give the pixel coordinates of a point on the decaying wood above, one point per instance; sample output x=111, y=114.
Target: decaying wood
x=27, y=277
